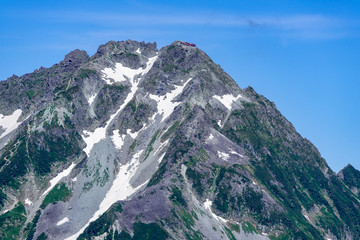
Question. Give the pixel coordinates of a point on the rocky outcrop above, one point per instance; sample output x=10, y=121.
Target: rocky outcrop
x=140, y=143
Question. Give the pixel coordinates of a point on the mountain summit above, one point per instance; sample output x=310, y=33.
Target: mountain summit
x=140, y=143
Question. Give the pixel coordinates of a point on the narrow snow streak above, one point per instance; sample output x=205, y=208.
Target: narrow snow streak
x=10, y=123
x=227, y=100
x=161, y=158
x=91, y=138
x=61, y=222
x=165, y=104
x=207, y=205
x=120, y=190
x=160, y=147
x=56, y=179
x=235, y=153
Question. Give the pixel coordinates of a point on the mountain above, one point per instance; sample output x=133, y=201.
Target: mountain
x=140, y=143
x=351, y=177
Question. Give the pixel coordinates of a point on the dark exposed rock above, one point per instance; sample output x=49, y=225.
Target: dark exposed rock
x=171, y=148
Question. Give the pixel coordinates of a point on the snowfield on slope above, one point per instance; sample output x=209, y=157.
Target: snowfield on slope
x=58, y=177
x=165, y=104
x=227, y=100
x=207, y=205
x=121, y=189
x=119, y=73
x=91, y=138
x=10, y=123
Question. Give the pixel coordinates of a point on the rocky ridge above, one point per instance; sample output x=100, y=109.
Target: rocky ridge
x=140, y=143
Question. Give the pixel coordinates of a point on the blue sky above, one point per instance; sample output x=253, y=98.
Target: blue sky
x=302, y=55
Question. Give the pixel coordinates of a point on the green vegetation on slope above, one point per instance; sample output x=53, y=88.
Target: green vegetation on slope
x=59, y=193
x=48, y=148
x=102, y=224
x=30, y=228
x=291, y=171
x=17, y=159
x=11, y=222
x=351, y=177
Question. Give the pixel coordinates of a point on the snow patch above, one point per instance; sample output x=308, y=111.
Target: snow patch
x=223, y=155
x=121, y=189
x=74, y=179
x=61, y=222
x=132, y=135
x=227, y=100
x=92, y=98
x=91, y=138
x=10, y=123
x=211, y=137
x=56, y=179
x=138, y=51
x=207, y=205
x=28, y=202
x=117, y=139
x=120, y=73
x=165, y=104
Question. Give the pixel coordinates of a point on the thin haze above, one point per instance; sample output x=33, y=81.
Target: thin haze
x=303, y=55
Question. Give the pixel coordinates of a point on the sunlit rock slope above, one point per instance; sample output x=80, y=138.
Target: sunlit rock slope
x=140, y=143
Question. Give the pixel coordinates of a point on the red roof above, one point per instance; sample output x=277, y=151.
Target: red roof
x=188, y=44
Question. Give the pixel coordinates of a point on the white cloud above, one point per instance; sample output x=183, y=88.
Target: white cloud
x=306, y=26
x=145, y=24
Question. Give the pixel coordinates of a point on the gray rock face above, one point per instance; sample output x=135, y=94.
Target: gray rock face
x=140, y=143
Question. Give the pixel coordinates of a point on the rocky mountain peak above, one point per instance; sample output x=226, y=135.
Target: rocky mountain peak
x=126, y=47
x=347, y=171
x=351, y=177
x=140, y=143
x=76, y=57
